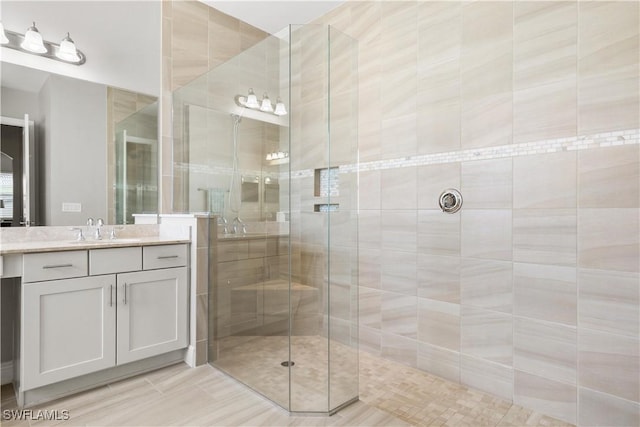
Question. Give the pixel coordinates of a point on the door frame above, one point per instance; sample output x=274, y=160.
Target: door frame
x=30, y=175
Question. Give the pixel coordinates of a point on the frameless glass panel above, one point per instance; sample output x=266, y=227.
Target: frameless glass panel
x=309, y=260
x=224, y=169
x=137, y=165
x=283, y=263
x=342, y=190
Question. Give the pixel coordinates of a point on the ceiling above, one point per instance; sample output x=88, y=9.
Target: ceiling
x=273, y=16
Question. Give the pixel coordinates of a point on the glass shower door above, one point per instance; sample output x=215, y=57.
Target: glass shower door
x=136, y=188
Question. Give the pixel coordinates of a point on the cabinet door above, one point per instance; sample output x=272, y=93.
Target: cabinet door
x=152, y=313
x=68, y=329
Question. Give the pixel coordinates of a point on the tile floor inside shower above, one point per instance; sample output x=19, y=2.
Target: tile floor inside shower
x=256, y=361
x=390, y=395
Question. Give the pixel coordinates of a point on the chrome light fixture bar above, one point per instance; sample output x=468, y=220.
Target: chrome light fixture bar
x=251, y=101
x=32, y=42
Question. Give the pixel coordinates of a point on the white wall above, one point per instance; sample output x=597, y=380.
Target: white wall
x=120, y=39
x=16, y=103
x=74, y=124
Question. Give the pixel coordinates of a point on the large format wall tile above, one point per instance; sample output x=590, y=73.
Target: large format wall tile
x=545, y=112
x=438, y=233
x=609, y=301
x=609, y=177
x=488, y=376
x=399, y=314
x=609, y=363
x=439, y=323
x=600, y=409
x=369, y=228
x=547, y=350
x=439, y=361
x=486, y=284
x=399, y=272
x=433, y=180
x=545, y=42
x=545, y=292
x=609, y=239
x=439, y=277
x=399, y=230
x=369, y=267
x=398, y=188
x=608, y=85
x=370, y=307
x=400, y=349
x=486, y=334
x=486, y=74
x=557, y=399
x=486, y=234
x=487, y=184
x=438, y=126
x=545, y=181
x=545, y=236
x=369, y=190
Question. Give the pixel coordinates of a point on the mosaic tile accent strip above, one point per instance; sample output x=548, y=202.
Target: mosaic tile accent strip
x=582, y=142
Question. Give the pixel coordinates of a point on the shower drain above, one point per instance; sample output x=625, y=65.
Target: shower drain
x=288, y=363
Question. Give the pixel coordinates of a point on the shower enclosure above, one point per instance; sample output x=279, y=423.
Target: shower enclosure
x=282, y=182
x=136, y=180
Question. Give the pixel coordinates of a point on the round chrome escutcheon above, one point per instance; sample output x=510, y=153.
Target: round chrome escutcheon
x=450, y=200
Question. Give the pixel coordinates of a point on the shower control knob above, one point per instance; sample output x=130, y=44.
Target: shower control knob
x=450, y=201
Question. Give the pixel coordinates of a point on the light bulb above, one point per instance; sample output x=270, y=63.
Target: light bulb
x=67, y=50
x=280, y=110
x=266, y=104
x=3, y=35
x=33, y=41
x=252, y=100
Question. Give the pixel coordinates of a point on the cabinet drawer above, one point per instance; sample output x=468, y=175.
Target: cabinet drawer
x=114, y=260
x=54, y=265
x=164, y=256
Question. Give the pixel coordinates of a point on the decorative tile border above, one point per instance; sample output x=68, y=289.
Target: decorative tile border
x=583, y=142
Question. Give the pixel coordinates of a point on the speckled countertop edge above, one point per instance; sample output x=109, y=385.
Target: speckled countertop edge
x=56, y=245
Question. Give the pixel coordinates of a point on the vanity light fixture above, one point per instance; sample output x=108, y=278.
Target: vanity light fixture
x=280, y=110
x=32, y=42
x=68, y=51
x=3, y=35
x=278, y=157
x=251, y=101
x=266, y=104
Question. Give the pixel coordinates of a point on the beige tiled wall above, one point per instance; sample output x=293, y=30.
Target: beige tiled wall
x=532, y=290
x=195, y=39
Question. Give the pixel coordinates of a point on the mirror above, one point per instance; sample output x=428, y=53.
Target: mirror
x=78, y=127
x=75, y=109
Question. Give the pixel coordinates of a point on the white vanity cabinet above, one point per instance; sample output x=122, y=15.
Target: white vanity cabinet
x=68, y=329
x=152, y=313
x=120, y=311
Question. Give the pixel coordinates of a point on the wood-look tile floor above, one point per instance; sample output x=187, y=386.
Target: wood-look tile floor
x=390, y=395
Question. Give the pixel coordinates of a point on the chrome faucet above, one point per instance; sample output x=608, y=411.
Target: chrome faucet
x=79, y=236
x=237, y=221
x=222, y=220
x=97, y=234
